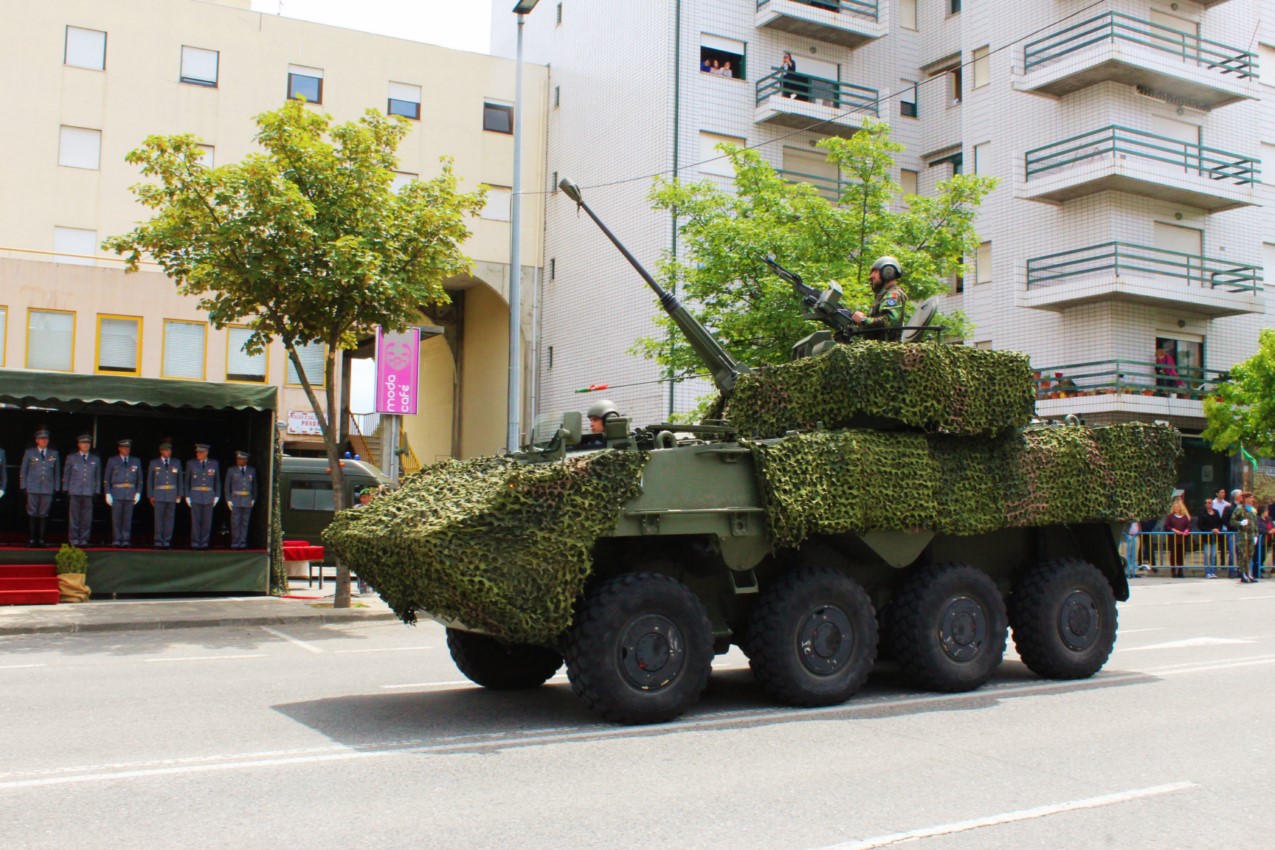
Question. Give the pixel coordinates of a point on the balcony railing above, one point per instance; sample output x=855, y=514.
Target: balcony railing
x=1116, y=141
x=811, y=89
x=1126, y=377
x=1120, y=258
x=1115, y=26
x=866, y=8
x=831, y=188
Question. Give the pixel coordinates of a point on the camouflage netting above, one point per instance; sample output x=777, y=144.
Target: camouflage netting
x=500, y=546
x=856, y=480
x=955, y=389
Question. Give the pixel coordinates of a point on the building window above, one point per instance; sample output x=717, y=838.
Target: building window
x=553, y=268
x=199, y=66
x=51, y=340
x=955, y=82
x=80, y=147
x=401, y=179
x=982, y=67
x=722, y=57
x=75, y=246
x=981, y=161
x=498, y=117
x=984, y=345
x=953, y=6
x=4, y=336
x=240, y=365
x=1266, y=59
x=958, y=283
x=405, y=100
x=305, y=84
x=497, y=206
x=185, y=344
x=559, y=19
x=119, y=345
x=313, y=359
x=713, y=161
x=207, y=155
x=1179, y=364
x=908, y=100
x=553, y=182
x=907, y=14
x=983, y=263
x=956, y=160
x=907, y=181
x=85, y=49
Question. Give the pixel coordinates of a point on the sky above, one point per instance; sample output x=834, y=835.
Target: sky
x=461, y=24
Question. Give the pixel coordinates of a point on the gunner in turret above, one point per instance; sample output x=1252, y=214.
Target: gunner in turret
x=885, y=316
x=599, y=412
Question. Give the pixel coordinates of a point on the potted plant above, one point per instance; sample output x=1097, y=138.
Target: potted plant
x=73, y=564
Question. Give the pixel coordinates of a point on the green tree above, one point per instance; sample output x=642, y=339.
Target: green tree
x=305, y=242
x=724, y=235
x=1241, y=412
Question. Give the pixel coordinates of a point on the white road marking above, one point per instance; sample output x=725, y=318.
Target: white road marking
x=203, y=658
x=1013, y=817
x=384, y=649
x=1197, y=641
x=290, y=639
x=1135, y=631
x=1217, y=665
x=1236, y=598
x=21, y=666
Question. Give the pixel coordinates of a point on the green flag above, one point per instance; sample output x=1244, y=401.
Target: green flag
x=1248, y=457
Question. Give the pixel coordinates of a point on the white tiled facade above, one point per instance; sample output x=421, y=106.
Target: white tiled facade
x=629, y=85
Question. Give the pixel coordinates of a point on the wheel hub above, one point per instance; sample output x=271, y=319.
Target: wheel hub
x=963, y=629
x=1079, y=623
x=825, y=641
x=652, y=652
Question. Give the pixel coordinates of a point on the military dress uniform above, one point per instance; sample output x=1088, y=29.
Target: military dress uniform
x=4, y=473
x=123, y=482
x=165, y=487
x=241, y=495
x=202, y=477
x=39, y=477
x=82, y=481
x=885, y=316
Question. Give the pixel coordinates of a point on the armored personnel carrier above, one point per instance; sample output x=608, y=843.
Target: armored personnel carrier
x=892, y=497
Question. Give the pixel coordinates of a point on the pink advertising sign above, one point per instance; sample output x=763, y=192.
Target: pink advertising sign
x=398, y=363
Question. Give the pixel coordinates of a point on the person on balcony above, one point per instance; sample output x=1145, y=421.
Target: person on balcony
x=792, y=84
x=1166, y=371
x=1178, y=522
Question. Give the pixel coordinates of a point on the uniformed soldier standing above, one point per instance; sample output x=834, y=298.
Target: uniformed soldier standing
x=4, y=473
x=82, y=481
x=123, y=480
x=885, y=316
x=38, y=477
x=165, y=487
x=241, y=495
x=202, y=476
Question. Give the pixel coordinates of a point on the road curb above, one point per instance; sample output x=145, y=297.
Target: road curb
x=321, y=617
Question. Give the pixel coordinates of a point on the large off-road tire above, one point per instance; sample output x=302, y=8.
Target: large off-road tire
x=1063, y=613
x=813, y=637
x=501, y=666
x=641, y=649
x=947, y=627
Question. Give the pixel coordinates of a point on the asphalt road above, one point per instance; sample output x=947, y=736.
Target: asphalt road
x=366, y=735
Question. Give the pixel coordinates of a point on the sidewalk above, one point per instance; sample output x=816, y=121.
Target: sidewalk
x=303, y=605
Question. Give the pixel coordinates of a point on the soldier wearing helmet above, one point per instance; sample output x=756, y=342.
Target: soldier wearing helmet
x=885, y=316
x=599, y=412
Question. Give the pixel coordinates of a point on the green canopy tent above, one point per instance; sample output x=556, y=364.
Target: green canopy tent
x=228, y=417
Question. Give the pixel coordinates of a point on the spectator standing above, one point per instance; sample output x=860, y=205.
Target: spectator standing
x=1210, y=525
x=1243, y=522
x=1178, y=523
x=1130, y=535
x=1146, y=539
x=1259, y=542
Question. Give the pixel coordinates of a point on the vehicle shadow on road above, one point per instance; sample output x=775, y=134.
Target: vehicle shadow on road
x=468, y=719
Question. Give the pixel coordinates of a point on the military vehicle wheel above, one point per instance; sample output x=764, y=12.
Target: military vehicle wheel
x=948, y=627
x=1064, y=617
x=813, y=637
x=641, y=649
x=501, y=666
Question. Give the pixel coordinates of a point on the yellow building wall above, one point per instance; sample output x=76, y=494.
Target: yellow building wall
x=429, y=432
x=484, y=374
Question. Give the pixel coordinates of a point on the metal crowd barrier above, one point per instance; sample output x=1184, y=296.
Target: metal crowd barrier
x=1196, y=551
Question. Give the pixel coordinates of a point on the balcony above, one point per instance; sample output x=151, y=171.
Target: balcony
x=1161, y=61
x=1125, y=390
x=831, y=188
x=1118, y=271
x=1120, y=159
x=806, y=102
x=845, y=22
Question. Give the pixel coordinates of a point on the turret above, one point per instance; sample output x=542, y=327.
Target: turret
x=724, y=368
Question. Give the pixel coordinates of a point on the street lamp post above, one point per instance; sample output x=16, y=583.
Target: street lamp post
x=521, y=9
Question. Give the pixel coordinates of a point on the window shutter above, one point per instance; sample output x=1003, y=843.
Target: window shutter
x=240, y=365
x=184, y=350
x=85, y=48
x=405, y=92
x=311, y=357
x=199, y=65
x=49, y=340
x=80, y=147
x=117, y=345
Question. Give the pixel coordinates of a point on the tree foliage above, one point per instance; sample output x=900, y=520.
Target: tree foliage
x=1242, y=411
x=724, y=235
x=305, y=242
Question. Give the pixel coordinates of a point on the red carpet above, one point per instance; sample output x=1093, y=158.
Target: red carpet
x=28, y=584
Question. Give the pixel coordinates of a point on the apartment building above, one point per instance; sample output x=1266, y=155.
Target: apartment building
x=1125, y=248
x=89, y=80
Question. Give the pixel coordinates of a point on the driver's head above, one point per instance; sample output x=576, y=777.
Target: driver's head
x=599, y=412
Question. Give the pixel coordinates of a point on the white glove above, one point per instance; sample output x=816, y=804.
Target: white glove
x=1, y=494
x=1243, y=522
x=230, y=506
x=188, y=501
x=109, y=500
x=137, y=497
x=250, y=504
x=215, y=501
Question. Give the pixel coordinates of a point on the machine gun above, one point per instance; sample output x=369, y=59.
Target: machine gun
x=724, y=368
